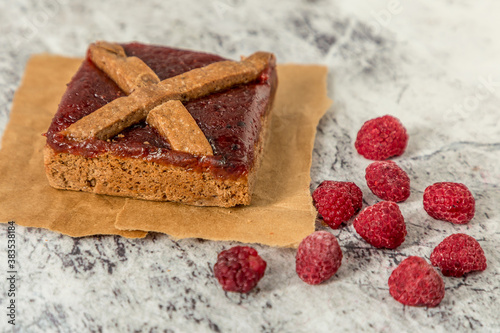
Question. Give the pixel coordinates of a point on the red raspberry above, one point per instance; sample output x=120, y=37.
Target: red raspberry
x=318, y=257
x=458, y=254
x=388, y=181
x=356, y=194
x=337, y=202
x=381, y=138
x=450, y=202
x=415, y=282
x=381, y=225
x=239, y=269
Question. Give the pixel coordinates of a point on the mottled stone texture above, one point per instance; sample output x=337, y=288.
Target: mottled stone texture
x=432, y=64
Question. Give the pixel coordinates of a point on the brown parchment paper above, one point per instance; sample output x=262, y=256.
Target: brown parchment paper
x=281, y=213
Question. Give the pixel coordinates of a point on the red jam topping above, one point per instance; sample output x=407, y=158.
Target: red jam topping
x=231, y=120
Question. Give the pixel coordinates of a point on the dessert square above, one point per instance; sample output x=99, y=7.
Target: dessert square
x=144, y=160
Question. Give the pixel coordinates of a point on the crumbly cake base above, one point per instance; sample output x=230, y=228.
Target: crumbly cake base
x=128, y=177
x=141, y=179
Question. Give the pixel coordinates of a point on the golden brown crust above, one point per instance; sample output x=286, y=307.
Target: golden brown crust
x=174, y=122
x=123, y=112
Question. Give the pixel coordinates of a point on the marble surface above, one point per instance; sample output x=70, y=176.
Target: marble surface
x=433, y=64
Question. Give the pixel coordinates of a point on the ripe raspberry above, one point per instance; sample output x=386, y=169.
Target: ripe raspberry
x=337, y=202
x=450, y=202
x=388, y=181
x=356, y=194
x=381, y=138
x=239, y=269
x=381, y=225
x=318, y=257
x=415, y=282
x=458, y=254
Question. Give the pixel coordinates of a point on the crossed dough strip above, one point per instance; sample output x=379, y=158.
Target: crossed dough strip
x=176, y=124
x=129, y=73
x=172, y=120
x=123, y=112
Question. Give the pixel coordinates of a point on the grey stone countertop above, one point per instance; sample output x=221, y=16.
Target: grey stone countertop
x=432, y=64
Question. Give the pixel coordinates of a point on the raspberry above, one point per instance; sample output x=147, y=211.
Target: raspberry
x=239, y=269
x=450, y=202
x=415, y=282
x=458, y=254
x=381, y=225
x=337, y=202
x=318, y=257
x=356, y=194
x=388, y=181
x=381, y=138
